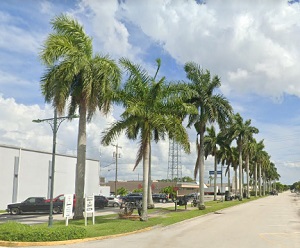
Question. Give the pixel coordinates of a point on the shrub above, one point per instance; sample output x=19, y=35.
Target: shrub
x=13, y=231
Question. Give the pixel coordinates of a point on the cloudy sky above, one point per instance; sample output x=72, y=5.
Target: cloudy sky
x=252, y=45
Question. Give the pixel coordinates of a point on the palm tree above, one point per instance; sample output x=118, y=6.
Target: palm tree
x=225, y=157
x=153, y=109
x=211, y=108
x=241, y=131
x=263, y=161
x=249, y=151
x=77, y=78
x=258, y=153
x=211, y=143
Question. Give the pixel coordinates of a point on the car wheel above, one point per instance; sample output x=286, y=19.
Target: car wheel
x=15, y=211
x=56, y=210
x=164, y=201
x=160, y=200
x=116, y=204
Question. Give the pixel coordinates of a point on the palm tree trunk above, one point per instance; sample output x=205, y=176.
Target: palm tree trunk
x=240, y=172
x=215, y=179
x=247, y=172
x=236, y=181
x=80, y=166
x=264, y=183
x=201, y=169
x=259, y=180
x=144, y=215
x=255, y=179
x=228, y=179
x=150, y=199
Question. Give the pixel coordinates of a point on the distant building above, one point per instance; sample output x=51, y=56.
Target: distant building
x=26, y=172
x=183, y=188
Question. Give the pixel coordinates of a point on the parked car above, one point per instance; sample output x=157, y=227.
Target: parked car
x=113, y=201
x=192, y=196
x=160, y=198
x=274, y=192
x=132, y=197
x=61, y=198
x=34, y=204
x=100, y=201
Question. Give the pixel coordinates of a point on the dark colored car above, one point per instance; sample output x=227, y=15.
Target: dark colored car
x=34, y=204
x=132, y=197
x=100, y=201
x=160, y=198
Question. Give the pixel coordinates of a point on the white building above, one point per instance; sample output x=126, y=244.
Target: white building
x=26, y=172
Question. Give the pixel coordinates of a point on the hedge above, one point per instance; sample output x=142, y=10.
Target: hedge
x=13, y=231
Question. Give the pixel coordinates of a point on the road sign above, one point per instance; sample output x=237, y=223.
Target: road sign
x=213, y=172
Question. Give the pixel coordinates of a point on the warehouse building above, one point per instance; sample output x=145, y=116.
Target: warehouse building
x=25, y=173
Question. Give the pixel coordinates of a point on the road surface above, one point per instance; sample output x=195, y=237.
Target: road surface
x=273, y=221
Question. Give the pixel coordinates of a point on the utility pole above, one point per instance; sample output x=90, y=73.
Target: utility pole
x=116, y=155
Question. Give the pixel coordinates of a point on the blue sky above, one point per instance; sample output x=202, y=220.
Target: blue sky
x=252, y=45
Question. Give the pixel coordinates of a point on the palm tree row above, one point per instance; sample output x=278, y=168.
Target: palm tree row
x=154, y=109
x=247, y=155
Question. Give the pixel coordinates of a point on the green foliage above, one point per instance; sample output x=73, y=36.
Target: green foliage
x=122, y=191
x=169, y=190
x=183, y=179
x=296, y=186
x=138, y=190
x=13, y=231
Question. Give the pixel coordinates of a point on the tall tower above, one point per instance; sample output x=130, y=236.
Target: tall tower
x=174, y=163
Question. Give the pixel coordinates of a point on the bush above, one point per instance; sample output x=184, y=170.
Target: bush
x=13, y=231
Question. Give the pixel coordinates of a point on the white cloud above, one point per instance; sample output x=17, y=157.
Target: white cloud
x=224, y=39
x=240, y=74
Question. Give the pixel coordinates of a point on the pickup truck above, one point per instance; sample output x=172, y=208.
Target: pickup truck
x=34, y=204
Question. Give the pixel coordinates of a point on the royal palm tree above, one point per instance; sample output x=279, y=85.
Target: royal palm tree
x=79, y=79
x=225, y=158
x=153, y=109
x=263, y=160
x=249, y=151
x=258, y=149
x=241, y=131
x=211, y=108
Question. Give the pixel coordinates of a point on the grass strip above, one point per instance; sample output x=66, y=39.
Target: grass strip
x=112, y=225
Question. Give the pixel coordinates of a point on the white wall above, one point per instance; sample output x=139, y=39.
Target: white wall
x=33, y=174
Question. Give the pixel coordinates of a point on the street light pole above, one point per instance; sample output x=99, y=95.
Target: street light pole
x=54, y=123
x=116, y=175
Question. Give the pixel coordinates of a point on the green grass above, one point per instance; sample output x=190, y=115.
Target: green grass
x=112, y=225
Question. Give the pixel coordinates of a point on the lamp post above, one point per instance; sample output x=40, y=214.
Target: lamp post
x=116, y=175
x=54, y=123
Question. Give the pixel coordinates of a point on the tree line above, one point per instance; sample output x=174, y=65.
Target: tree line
x=77, y=79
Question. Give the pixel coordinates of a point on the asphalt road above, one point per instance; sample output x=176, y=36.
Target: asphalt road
x=273, y=221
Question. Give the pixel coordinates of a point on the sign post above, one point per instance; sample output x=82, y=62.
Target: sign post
x=89, y=208
x=68, y=207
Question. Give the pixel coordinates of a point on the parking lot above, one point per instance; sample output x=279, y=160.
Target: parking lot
x=34, y=218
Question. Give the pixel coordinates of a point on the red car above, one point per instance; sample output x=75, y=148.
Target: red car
x=61, y=198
